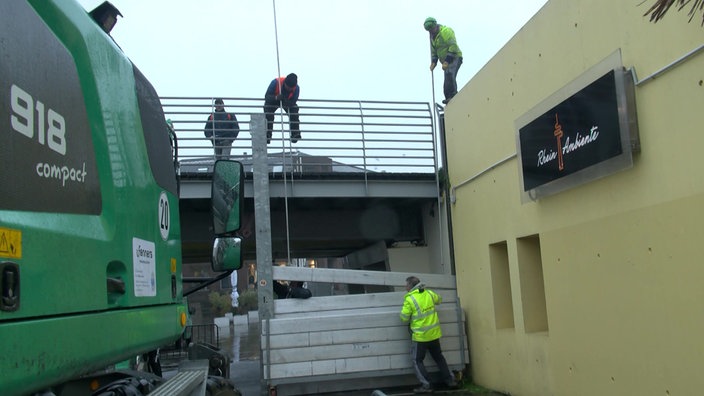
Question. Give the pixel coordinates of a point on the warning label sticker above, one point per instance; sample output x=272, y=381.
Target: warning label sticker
x=144, y=271
x=10, y=243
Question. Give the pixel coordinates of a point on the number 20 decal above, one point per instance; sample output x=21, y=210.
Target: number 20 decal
x=164, y=216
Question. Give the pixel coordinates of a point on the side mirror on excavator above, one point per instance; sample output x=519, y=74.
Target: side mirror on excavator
x=227, y=201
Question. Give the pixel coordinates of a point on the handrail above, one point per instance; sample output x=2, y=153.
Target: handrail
x=337, y=135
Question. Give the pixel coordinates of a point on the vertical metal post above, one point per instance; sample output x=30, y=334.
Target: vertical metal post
x=442, y=152
x=364, y=149
x=460, y=325
x=262, y=221
x=433, y=131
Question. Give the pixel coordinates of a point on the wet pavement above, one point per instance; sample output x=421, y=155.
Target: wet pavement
x=242, y=341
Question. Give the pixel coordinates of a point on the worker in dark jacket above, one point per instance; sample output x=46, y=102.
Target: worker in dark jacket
x=283, y=92
x=222, y=129
x=294, y=289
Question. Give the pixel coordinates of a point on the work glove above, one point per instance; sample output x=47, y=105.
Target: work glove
x=279, y=97
x=432, y=66
x=445, y=65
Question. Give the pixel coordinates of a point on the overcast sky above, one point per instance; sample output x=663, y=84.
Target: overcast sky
x=351, y=49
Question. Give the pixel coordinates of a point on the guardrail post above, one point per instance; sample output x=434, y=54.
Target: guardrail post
x=364, y=144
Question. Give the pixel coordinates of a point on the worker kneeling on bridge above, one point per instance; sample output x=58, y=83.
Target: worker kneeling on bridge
x=283, y=92
x=419, y=308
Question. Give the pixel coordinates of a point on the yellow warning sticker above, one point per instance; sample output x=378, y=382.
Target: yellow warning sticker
x=10, y=243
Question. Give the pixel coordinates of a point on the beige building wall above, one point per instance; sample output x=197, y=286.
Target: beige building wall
x=597, y=290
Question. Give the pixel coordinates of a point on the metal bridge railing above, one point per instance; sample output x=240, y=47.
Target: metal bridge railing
x=336, y=135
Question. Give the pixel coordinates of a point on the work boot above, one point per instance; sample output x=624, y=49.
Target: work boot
x=447, y=100
x=295, y=136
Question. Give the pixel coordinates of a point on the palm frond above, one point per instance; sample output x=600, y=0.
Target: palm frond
x=660, y=8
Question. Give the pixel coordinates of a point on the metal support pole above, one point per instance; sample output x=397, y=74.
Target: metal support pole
x=460, y=325
x=364, y=150
x=441, y=248
x=262, y=221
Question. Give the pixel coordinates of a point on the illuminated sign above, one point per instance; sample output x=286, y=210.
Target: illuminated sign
x=582, y=132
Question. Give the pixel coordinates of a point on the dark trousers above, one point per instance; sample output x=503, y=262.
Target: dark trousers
x=222, y=147
x=292, y=111
x=450, y=85
x=418, y=350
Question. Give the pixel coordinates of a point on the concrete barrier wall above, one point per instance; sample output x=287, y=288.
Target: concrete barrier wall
x=345, y=342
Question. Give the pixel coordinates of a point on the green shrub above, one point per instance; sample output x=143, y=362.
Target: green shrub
x=221, y=303
x=247, y=301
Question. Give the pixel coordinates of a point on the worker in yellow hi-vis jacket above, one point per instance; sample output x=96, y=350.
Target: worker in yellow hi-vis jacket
x=419, y=309
x=444, y=48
